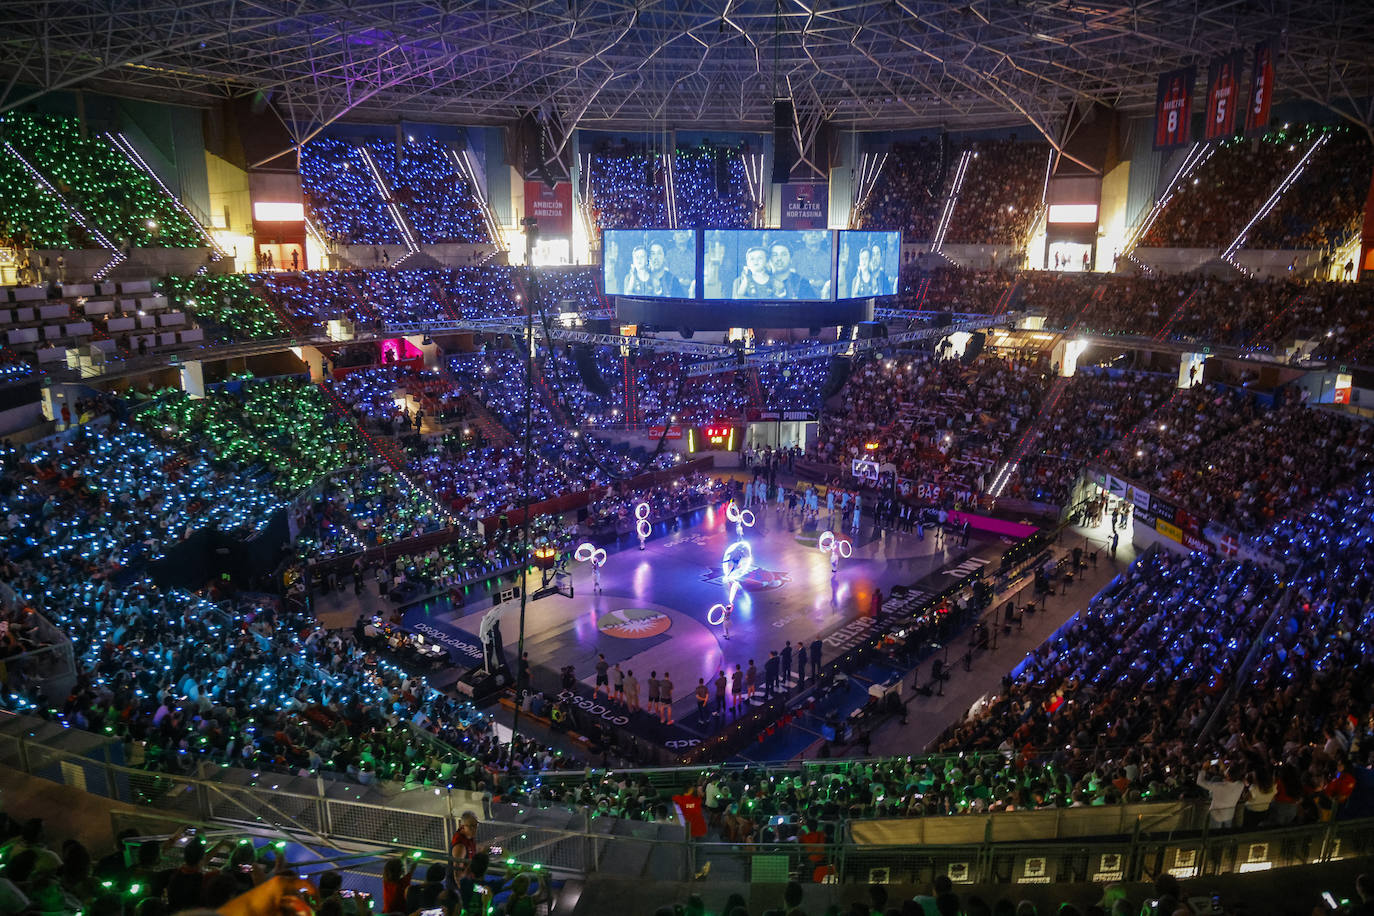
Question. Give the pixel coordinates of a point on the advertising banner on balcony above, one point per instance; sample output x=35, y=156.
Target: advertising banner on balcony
x=552, y=206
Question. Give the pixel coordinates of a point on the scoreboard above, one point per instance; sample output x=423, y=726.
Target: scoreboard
x=714, y=437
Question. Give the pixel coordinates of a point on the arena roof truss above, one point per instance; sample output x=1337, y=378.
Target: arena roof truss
x=670, y=64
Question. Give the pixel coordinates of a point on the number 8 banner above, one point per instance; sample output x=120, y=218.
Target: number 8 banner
x=1174, y=108
x=1223, y=94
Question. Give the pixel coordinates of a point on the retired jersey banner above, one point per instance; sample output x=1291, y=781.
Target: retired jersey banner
x=1261, y=89
x=1174, y=108
x=1223, y=96
x=552, y=206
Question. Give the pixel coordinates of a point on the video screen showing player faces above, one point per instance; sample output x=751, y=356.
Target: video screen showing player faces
x=868, y=264
x=767, y=264
x=651, y=263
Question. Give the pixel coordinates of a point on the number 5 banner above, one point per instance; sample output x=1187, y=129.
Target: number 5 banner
x=1174, y=108
x=1223, y=95
x=1261, y=89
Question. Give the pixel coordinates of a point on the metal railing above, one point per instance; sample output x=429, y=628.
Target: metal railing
x=50, y=666
x=386, y=816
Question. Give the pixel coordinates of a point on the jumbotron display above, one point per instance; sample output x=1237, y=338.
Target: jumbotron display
x=768, y=264
x=661, y=263
x=761, y=278
x=868, y=264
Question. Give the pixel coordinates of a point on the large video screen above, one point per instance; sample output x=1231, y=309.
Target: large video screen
x=767, y=264
x=868, y=264
x=654, y=263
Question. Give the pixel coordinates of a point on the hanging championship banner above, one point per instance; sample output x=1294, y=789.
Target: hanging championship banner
x=1223, y=96
x=1261, y=89
x=1174, y=108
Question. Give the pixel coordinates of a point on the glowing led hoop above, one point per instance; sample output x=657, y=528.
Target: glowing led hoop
x=711, y=616
x=737, y=561
x=642, y=511
x=735, y=514
x=587, y=553
x=828, y=542
x=644, y=529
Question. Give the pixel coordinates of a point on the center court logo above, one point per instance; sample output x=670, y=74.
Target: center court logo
x=755, y=580
x=633, y=623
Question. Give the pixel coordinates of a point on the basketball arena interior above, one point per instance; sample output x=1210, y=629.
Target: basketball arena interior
x=560, y=457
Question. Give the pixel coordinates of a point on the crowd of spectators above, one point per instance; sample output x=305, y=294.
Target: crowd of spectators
x=1118, y=699
x=567, y=461
x=795, y=385
x=362, y=507
x=575, y=286
x=1259, y=314
x=562, y=384
x=30, y=217
x=381, y=397
x=628, y=190
x=1324, y=208
x=955, y=290
x=341, y=195
x=434, y=194
x=370, y=296
x=909, y=191
x=1094, y=410
x=1000, y=194
x=226, y=306
x=940, y=422
x=88, y=499
x=181, y=676
x=1191, y=419
x=281, y=429
x=1209, y=208
x=116, y=196
x=1251, y=478
x=701, y=201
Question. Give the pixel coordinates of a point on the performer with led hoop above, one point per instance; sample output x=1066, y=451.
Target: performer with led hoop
x=835, y=546
x=742, y=518
x=642, y=527
x=597, y=556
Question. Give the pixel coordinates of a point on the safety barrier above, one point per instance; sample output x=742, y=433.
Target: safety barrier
x=1093, y=845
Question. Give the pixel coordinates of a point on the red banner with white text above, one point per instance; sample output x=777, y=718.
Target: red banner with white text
x=552, y=206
